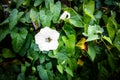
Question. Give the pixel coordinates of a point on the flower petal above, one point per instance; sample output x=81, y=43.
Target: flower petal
x=45, y=33
x=65, y=15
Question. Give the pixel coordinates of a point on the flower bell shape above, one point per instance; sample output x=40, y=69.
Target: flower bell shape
x=65, y=15
x=47, y=39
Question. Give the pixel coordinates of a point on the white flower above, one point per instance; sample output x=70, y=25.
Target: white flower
x=47, y=39
x=65, y=15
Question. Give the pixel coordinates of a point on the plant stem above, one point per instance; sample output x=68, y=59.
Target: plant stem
x=106, y=46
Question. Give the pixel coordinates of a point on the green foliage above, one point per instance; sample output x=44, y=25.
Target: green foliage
x=91, y=50
x=60, y=68
x=34, y=16
x=38, y=2
x=18, y=38
x=26, y=45
x=42, y=73
x=117, y=40
x=111, y=27
x=19, y=3
x=13, y=19
x=93, y=32
x=75, y=18
x=107, y=39
x=88, y=45
x=55, y=10
x=88, y=8
x=3, y=33
x=69, y=39
x=6, y=53
x=45, y=17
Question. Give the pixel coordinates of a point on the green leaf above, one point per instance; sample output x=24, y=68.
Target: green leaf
x=93, y=32
x=26, y=45
x=6, y=53
x=112, y=61
x=20, y=15
x=33, y=55
x=92, y=37
x=6, y=21
x=72, y=62
x=62, y=56
x=48, y=66
x=33, y=52
x=48, y=2
x=75, y=18
x=88, y=8
x=27, y=64
x=13, y=18
x=38, y=2
x=34, y=46
x=42, y=73
x=98, y=4
x=86, y=20
x=21, y=76
x=68, y=29
x=23, y=68
x=91, y=50
x=70, y=39
x=98, y=14
x=76, y=22
x=42, y=58
x=55, y=10
x=18, y=38
x=69, y=71
x=60, y=68
x=27, y=2
x=117, y=40
x=32, y=78
x=34, y=15
x=51, y=74
x=107, y=39
x=111, y=31
x=19, y=3
x=110, y=2
x=45, y=17
x=26, y=18
x=105, y=18
x=70, y=47
x=111, y=28
x=3, y=33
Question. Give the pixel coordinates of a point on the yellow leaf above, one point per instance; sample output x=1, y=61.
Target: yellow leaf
x=80, y=62
x=81, y=44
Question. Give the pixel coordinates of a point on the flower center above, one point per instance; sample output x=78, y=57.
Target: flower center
x=67, y=16
x=48, y=39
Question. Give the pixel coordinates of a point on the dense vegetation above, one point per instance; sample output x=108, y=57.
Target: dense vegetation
x=88, y=44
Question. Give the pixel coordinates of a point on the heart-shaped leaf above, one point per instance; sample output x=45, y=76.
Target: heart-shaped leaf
x=13, y=18
x=18, y=38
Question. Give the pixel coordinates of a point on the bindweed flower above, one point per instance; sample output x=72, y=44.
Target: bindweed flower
x=47, y=39
x=65, y=15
